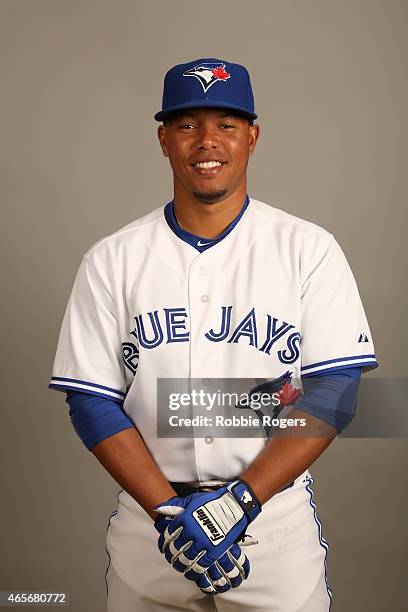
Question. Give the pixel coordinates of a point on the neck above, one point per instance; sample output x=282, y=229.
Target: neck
x=208, y=220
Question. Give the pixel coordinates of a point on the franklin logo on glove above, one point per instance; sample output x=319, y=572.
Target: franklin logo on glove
x=213, y=532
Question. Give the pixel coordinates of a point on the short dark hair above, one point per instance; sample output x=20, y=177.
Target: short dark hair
x=171, y=116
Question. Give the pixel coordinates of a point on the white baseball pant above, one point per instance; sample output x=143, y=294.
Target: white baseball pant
x=288, y=565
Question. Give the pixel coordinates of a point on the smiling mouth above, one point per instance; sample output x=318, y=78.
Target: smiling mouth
x=208, y=169
x=207, y=164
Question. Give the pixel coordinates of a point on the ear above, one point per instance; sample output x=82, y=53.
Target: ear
x=254, y=131
x=162, y=136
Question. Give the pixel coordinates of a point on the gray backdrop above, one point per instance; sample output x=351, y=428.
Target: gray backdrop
x=80, y=81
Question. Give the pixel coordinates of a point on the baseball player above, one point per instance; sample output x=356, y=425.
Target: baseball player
x=213, y=285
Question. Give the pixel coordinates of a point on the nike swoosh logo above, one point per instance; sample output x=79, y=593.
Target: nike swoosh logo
x=199, y=243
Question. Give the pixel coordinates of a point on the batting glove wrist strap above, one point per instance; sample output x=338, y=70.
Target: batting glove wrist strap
x=246, y=498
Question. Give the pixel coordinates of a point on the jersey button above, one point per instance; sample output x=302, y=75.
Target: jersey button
x=202, y=271
x=204, y=298
x=209, y=440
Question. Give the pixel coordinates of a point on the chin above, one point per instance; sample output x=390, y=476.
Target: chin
x=210, y=196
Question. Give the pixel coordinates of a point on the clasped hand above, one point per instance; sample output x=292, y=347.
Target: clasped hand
x=201, y=535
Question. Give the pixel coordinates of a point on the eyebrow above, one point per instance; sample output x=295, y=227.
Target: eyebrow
x=228, y=114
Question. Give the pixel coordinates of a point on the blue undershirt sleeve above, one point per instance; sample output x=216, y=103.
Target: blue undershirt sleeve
x=331, y=396
x=96, y=418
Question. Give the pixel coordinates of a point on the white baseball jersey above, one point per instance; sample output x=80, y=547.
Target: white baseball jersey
x=274, y=293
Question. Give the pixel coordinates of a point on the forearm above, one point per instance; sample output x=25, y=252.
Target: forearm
x=285, y=457
x=125, y=456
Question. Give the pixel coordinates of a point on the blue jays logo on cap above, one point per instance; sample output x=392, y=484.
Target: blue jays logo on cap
x=208, y=74
x=232, y=87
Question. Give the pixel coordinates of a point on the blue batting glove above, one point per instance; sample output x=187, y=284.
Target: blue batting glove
x=197, y=530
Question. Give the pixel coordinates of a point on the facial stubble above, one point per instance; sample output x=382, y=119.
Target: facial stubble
x=210, y=197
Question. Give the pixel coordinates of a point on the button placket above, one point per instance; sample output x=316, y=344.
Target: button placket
x=199, y=297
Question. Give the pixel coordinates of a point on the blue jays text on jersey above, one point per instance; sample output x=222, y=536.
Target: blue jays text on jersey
x=151, y=330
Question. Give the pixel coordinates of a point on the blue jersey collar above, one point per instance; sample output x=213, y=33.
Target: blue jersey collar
x=198, y=242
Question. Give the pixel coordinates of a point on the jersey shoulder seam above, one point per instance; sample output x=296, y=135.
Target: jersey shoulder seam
x=142, y=222
x=281, y=216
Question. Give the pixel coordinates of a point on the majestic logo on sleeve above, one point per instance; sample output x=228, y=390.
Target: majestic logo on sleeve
x=208, y=74
x=363, y=337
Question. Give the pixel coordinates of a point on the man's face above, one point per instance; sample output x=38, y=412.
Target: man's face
x=208, y=149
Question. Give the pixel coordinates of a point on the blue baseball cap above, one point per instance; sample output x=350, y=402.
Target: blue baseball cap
x=207, y=82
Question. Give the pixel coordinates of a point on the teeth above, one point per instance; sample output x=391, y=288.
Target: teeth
x=209, y=164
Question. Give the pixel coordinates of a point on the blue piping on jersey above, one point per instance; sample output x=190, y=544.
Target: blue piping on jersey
x=67, y=387
x=354, y=360
x=343, y=369
x=199, y=242
x=63, y=384
x=322, y=541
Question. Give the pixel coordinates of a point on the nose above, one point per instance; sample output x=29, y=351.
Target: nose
x=208, y=137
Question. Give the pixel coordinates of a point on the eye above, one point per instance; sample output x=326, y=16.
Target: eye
x=227, y=126
x=185, y=126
